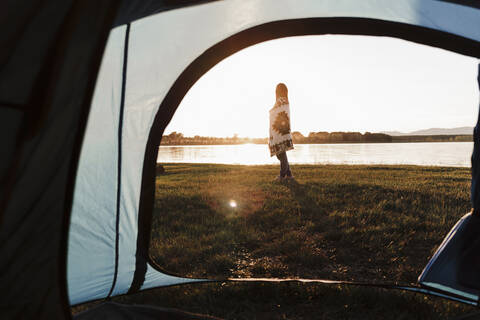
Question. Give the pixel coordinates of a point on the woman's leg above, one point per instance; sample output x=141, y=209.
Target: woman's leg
x=284, y=166
x=281, y=157
x=288, y=173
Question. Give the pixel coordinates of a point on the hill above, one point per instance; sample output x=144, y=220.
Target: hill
x=433, y=131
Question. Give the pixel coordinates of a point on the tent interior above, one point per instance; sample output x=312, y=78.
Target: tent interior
x=84, y=113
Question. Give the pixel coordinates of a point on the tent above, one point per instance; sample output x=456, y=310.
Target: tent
x=86, y=91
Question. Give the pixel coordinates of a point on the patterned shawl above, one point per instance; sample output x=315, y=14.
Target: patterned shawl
x=280, y=137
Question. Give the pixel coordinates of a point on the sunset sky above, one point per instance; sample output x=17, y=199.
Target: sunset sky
x=336, y=83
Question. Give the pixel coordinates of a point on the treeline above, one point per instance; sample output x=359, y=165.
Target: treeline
x=340, y=137
x=367, y=137
x=434, y=138
x=175, y=138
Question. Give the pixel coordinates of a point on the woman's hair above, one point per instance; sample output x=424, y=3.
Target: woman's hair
x=281, y=91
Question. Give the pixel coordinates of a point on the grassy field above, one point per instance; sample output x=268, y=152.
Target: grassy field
x=361, y=223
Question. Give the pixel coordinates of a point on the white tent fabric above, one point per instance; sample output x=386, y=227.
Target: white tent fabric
x=160, y=49
x=92, y=227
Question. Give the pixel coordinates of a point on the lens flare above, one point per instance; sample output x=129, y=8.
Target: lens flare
x=233, y=203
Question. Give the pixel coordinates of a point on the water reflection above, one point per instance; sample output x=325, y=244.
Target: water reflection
x=454, y=154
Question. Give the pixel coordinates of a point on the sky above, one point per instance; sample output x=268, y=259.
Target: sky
x=336, y=83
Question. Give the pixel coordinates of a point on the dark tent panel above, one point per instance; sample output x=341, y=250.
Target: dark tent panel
x=475, y=187
x=132, y=10
x=50, y=57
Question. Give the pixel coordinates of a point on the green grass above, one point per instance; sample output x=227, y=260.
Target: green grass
x=361, y=223
x=358, y=223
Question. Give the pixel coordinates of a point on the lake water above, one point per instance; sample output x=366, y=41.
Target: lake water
x=452, y=154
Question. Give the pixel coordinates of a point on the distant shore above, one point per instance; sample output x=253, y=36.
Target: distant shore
x=315, y=138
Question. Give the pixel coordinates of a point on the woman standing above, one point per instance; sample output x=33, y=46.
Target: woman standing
x=280, y=137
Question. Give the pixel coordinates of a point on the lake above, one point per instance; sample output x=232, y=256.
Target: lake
x=451, y=154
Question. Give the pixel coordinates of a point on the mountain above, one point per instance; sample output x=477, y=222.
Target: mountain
x=394, y=133
x=433, y=131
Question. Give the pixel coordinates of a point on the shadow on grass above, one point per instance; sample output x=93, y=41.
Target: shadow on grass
x=352, y=225
x=375, y=233
x=341, y=232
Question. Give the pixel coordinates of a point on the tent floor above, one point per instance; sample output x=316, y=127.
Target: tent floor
x=117, y=311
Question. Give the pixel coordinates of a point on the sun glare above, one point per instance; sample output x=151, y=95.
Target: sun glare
x=233, y=203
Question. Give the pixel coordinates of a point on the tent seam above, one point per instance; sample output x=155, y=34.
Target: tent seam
x=119, y=163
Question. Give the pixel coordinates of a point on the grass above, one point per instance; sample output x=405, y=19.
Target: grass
x=361, y=223
x=358, y=223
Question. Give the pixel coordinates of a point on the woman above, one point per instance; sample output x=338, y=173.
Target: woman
x=280, y=137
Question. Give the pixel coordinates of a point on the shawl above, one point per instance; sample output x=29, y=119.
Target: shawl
x=280, y=137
